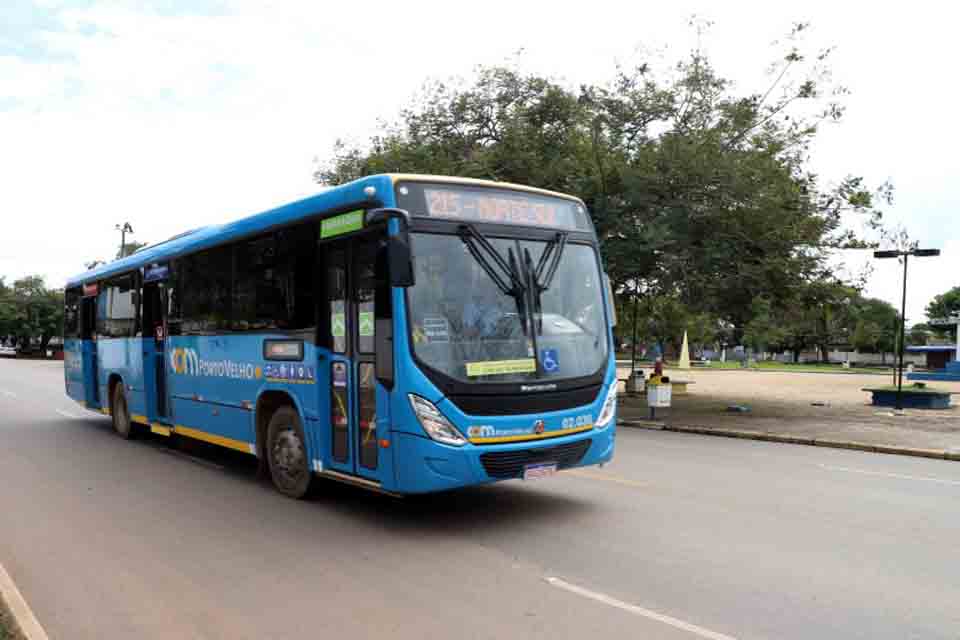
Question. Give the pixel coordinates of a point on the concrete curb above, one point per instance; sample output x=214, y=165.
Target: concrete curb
x=786, y=438
x=26, y=622
x=639, y=423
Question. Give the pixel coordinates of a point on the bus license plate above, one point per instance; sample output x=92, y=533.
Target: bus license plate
x=541, y=470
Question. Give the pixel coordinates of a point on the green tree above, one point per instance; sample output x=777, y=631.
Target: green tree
x=763, y=330
x=129, y=249
x=919, y=334
x=8, y=310
x=945, y=305
x=36, y=313
x=698, y=194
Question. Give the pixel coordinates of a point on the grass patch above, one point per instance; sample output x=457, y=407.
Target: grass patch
x=804, y=367
x=809, y=367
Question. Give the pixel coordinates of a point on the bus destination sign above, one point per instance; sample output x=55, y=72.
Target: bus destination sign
x=501, y=206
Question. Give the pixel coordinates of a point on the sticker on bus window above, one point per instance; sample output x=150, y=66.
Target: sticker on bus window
x=550, y=360
x=500, y=367
x=339, y=374
x=436, y=329
x=365, y=322
x=338, y=325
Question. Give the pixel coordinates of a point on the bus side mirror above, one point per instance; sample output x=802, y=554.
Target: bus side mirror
x=400, y=261
x=612, y=301
x=399, y=256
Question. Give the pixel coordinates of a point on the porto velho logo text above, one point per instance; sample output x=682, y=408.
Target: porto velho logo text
x=185, y=361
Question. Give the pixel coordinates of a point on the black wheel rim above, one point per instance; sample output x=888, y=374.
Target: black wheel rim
x=288, y=459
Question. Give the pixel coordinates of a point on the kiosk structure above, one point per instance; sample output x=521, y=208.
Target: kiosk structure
x=948, y=356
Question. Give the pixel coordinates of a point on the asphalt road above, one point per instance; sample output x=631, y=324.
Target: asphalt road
x=680, y=537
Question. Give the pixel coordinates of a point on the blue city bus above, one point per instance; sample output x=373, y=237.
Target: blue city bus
x=402, y=333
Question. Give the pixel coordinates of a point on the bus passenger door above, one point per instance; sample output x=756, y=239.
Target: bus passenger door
x=364, y=387
x=355, y=395
x=154, y=348
x=88, y=336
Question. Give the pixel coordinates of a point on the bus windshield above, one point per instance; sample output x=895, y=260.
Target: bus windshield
x=467, y=327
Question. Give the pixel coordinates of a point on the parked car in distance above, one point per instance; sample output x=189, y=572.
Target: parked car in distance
x=7, y=352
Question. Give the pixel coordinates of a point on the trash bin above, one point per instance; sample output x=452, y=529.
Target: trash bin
x=635, y=382
x=659, y=394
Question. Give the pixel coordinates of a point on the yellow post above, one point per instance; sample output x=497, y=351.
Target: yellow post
x=685, y=353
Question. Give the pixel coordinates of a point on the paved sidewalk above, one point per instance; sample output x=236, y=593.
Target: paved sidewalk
x=783, y=404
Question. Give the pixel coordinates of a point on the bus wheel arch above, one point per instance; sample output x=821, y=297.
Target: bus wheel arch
x=268, y=402
x=123, y=424
x=279, y=425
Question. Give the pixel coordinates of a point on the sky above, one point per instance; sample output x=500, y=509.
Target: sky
x=172, y=114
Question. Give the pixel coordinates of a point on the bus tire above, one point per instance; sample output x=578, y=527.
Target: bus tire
x=120, y=413
x=287, y=454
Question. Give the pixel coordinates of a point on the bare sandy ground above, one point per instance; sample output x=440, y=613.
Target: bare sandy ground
x=785, y=403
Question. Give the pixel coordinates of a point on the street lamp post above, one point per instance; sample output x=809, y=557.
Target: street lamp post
x=895, y=253
x=124, y=230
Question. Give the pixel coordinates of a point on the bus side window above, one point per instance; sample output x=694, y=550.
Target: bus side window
x=337, y=300
x=116, y=308
x=71, y=313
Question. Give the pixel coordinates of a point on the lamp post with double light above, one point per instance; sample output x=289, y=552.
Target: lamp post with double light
x=896, y=253
x=124, y=230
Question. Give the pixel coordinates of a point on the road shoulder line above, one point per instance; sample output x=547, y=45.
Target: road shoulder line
x=27, y=623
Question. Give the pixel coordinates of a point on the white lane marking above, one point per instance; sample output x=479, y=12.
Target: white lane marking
x=9, y=394
x=640, y=611
x=29, y=626
x=901, y=476
x=66, y=414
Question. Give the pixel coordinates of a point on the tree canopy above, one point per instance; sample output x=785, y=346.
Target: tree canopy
x=699, y=194
x=30, y=311
x=945, y=305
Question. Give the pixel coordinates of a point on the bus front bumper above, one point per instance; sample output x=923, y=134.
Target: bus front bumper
x=430, y=466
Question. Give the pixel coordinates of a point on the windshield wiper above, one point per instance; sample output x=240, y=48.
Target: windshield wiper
x=512, y=285
x=535, y=289
x=540, y=278
x=551, y=254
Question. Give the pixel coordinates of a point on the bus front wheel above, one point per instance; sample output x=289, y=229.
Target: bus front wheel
x=287, y=454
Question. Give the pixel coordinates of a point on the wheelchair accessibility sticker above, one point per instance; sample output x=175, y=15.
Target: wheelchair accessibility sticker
x=550, y=360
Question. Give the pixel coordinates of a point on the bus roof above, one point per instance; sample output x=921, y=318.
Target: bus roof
x=341, y=196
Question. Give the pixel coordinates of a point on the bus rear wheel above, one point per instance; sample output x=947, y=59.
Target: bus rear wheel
x=120, y=413
x=287, y=454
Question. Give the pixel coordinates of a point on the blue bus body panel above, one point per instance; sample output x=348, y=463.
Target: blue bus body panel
x=73, y=369
x=215, y=383
x=122, y=357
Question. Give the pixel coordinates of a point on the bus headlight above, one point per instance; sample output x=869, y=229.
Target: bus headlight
x=608, y=409
x=435, y=423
